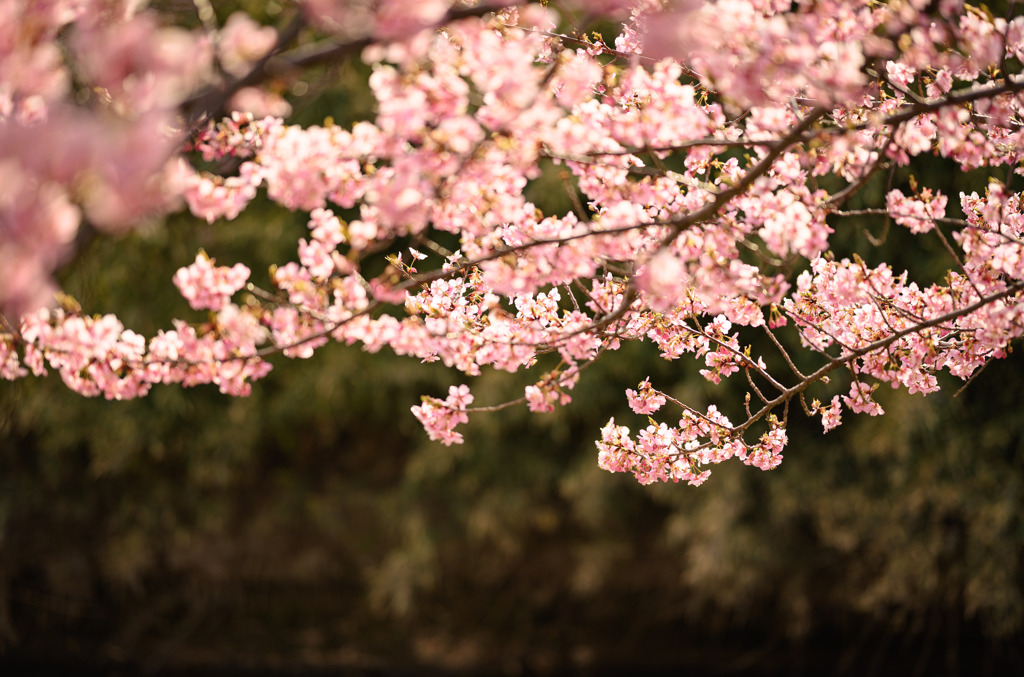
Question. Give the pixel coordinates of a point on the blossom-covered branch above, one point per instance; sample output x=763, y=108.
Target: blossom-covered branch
x=711, y=152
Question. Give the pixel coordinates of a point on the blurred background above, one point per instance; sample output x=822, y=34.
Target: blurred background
x=311, y=528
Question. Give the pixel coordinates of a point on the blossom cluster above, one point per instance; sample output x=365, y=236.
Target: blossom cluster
x=439, y=418
x=99, y=356
x=205, y=285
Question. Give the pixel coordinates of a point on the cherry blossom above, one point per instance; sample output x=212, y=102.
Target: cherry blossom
x=205, y=285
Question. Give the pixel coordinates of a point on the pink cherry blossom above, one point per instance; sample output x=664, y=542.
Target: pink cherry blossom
x=205, y=285
x=242, y=41
x=646, y=400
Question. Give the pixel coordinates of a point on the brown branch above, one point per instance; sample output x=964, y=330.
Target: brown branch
x=880, y=344
x=210, y=102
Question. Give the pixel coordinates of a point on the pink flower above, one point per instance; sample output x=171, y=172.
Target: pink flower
x=207, y=286
x=10, y=369
x=647, y=400
x=831, y=416
x=899, y=73
x=439, y=418
x=665, y=279
x=259, y=103
x=243, y=42
x=859, y=400
x=916, y=214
